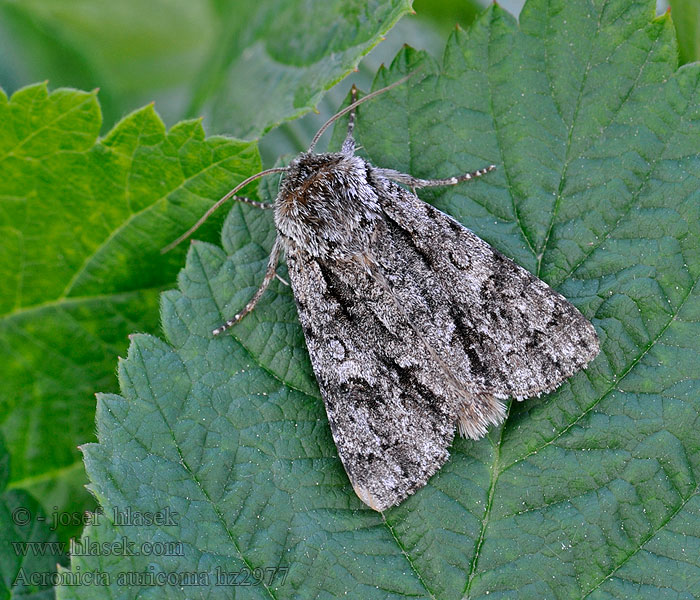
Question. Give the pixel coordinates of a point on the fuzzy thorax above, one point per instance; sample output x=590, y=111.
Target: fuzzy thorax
x=327, y=206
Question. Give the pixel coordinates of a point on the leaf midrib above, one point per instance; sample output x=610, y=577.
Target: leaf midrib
x=487, y=512
x=569, y=138
x=65, y=302
x=500, y=143
x=635, y=196
x=132, y=216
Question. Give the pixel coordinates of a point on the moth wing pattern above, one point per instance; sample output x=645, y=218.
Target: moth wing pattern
x=390, y=426
x=422, y=334
x=503, y=331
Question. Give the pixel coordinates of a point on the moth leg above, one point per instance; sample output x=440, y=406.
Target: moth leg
x=415, y=182
x=255, y=203
x=349, y=143
x=269, y=276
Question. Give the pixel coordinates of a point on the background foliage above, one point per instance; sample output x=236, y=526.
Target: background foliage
x=589, y=492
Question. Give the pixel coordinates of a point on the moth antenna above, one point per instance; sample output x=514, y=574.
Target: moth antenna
x=352, y=106
x=218, y=203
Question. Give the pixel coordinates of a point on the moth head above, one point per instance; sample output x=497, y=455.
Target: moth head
x=326, y=203
x=302, y=157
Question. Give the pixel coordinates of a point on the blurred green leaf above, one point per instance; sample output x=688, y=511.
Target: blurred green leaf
x=275, y=59
x=589, y=492
x=26, y=568
x=247, y=65
x=446, y=14
x=133, y=51
x=686, y=18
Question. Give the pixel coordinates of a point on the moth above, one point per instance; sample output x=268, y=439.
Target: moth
x=416, y=327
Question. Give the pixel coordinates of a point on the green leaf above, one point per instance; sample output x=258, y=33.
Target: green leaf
x=274, y=60
x=29, y=549
x=589, y=492
x=448, y=13
x=83, y=221
x=686, y=18
x=247, y=64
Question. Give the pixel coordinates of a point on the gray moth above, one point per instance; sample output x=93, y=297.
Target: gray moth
x=416, y=327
